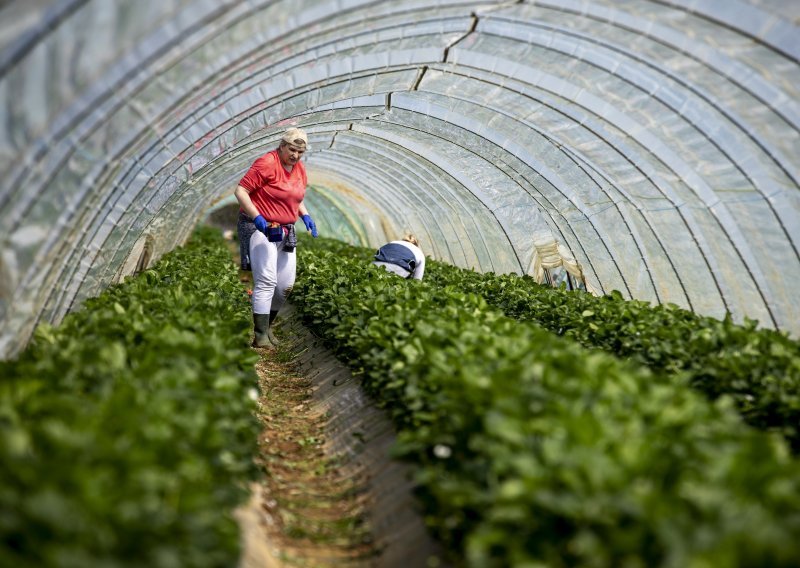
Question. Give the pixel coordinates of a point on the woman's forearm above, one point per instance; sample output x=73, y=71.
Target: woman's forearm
x=243, y=197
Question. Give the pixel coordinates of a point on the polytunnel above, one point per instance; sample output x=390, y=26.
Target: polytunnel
x=649, y=146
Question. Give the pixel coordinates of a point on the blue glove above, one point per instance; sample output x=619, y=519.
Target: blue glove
x=310, y=225
x=260, y=223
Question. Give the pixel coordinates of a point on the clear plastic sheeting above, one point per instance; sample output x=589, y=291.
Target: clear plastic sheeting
x=654, y=144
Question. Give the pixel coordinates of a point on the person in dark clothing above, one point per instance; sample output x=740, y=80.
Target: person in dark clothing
x=403, y=257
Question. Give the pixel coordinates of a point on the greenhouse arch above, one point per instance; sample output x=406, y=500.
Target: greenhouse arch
x=654, y=143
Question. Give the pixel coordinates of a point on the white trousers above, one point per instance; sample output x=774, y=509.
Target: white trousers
x=274, y=271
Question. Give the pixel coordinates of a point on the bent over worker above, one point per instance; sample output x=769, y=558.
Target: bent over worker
x=403, y=257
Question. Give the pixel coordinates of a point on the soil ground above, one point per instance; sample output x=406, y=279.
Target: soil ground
x=313, y=511
x=305, y=512
x=325, y=500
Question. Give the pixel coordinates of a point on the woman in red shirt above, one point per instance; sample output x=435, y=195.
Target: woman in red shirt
x=270, y=197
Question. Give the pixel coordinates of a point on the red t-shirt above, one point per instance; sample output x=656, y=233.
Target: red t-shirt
x=276, y=193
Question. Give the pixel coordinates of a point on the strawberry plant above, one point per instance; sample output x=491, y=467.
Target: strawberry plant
x=532, y=450
x=127, y=432
x=758, y=368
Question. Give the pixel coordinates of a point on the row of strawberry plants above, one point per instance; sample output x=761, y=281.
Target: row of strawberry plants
x=759, y=368
x=535, y=451
x=127, y=433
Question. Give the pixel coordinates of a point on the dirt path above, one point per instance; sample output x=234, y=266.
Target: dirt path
x=312, y=512
x=330, y=495
x=305, y=512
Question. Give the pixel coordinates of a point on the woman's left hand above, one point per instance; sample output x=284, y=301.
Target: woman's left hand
x=310, y=225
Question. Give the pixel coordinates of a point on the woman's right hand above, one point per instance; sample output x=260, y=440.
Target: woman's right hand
x=260, y=223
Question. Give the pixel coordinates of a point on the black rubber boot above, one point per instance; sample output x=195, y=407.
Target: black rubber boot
x=261, y=330
x=272, y=338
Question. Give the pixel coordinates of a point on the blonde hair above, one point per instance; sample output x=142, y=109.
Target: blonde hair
x=411, y=239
